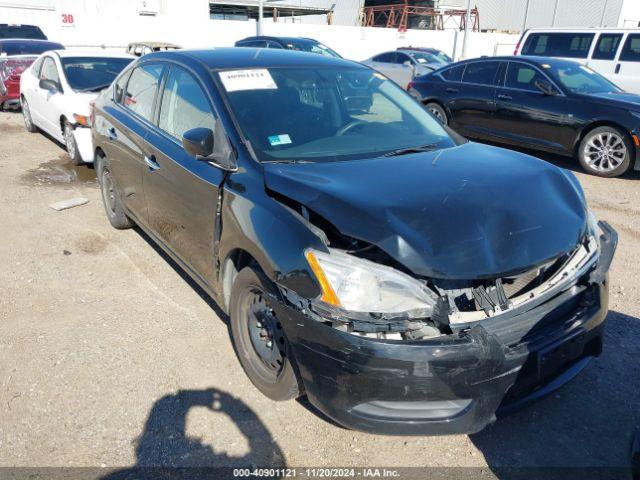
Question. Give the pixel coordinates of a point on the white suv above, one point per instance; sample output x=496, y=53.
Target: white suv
x=614, y=53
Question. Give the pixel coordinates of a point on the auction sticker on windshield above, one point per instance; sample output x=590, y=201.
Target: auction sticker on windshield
x=256, y=79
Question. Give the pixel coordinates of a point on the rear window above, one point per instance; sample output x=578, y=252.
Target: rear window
x=482, y=73
x=18, y=47
x=560, y=44
x=631, y=50
x=21, y=31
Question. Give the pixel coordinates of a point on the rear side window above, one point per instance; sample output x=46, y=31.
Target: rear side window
x=482, y=73
x=453, y=74
x=388, y=57
x=184, y=105
x=141, y=90
x=522, y=77
x=607, y=46
x=560, y=44
x=631, y=50
x=119, y=86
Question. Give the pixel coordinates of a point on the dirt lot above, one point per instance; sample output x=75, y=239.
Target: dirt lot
x=110, y=357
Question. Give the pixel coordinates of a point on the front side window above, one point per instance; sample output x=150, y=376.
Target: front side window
x=141, y=90
x=522, y=77
x=388, y=57
x=607, y=46
x=581, y=79
x=327, y=114
x=481, y=73
x=90, y=74
x=184, y=105
x=558, y=44
x=631, y=50
x=49, y=70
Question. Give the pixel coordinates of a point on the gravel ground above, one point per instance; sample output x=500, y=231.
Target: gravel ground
x=110, y=357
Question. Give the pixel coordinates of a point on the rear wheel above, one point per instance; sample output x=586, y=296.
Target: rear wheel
x=439, y=112
x=72, y=146
x=258, y=337
x=26, y=115
x=606, y=152
x=110, y=198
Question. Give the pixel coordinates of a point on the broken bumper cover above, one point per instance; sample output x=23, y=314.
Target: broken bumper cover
x=454, y=383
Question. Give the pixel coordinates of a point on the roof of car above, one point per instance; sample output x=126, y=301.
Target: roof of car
x=8, y=41
x=281, y=39
x=237, y=58
x=524, y=58
x=154, y=44
x=79, y=52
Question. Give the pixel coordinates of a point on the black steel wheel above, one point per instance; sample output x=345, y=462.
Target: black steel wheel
x=259, y=339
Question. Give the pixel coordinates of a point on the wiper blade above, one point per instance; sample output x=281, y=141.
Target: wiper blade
x=406, y=151
x=93, y=89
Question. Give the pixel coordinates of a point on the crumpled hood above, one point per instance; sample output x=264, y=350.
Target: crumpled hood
x=467, y=212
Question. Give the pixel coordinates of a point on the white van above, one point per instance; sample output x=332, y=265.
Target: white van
x=614, y=53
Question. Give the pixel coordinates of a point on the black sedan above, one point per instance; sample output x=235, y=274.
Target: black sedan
x=405, y=279
x=546, y=104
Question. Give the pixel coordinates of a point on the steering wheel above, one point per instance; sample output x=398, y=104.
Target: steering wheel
x=349, y=126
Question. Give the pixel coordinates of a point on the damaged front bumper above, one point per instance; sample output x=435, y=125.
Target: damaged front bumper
x=456, y=383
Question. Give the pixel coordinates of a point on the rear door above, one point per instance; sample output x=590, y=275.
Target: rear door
x=472, y=104
x=627, y=70
x=182, y=192
x=527, y=117
x=604, y=55
x=129, y=124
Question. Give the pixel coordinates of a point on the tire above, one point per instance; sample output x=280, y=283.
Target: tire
x=605, y=152
x=26, y=115
x=110, y=197
x=270, y=369
x=72, y=146
x=439, y=112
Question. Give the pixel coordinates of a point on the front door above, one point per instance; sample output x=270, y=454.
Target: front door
x=181, y=191
x=627, y=70
x=527, y=117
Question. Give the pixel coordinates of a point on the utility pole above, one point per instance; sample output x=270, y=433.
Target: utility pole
x=555, y=12
x=260, y=16
x=526, y=16
x=467, y=21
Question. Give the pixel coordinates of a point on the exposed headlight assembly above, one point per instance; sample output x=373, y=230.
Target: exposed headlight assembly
x=358, y=285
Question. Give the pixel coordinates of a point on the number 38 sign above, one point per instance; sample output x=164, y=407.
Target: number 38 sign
x=67, y=19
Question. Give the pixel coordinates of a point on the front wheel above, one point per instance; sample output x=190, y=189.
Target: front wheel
x=438, y=112
x=605, y=152
x=258, y=337
x=72, y=146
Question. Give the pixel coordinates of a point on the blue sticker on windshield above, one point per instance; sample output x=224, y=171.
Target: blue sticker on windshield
x=276, y=140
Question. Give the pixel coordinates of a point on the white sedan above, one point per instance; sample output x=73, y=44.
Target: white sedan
x=56, y=92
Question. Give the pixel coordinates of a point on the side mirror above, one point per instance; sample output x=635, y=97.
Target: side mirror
x=49, y=85
x=198, y=142
x=545, y=87
x=407, y=63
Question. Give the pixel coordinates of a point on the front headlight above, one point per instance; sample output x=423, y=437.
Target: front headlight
x=359, y=285
x=592, y=225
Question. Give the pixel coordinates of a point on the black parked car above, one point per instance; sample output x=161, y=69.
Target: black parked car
x=547, y=104
x=300, y=44
x=406, y=280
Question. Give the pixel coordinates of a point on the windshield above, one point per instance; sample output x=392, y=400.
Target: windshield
x=327, y=114
x=312, y=47
x=580, y=79
x=92, y=73
x=17, y=47
x=423, y=57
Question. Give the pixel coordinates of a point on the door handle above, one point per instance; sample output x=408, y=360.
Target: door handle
x=505, y=97
x=112, y=133
x=451, y=90
x=618, y=68
x=151, y=163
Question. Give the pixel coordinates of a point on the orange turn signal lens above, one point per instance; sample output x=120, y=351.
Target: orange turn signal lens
x=82, y=120
x=328, y=295
x=635, y=140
